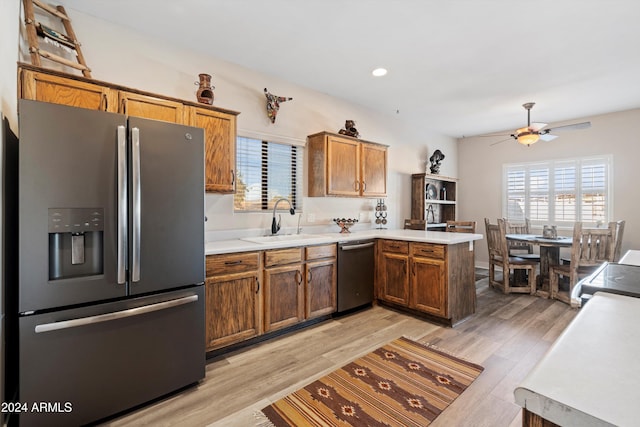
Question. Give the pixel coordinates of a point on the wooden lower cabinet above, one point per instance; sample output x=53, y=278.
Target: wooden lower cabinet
x=320, y=288
x=284, y=296
x=428, y=286
x=300, y=284
x=394, y=278
x=434, y=279
x=233, y=299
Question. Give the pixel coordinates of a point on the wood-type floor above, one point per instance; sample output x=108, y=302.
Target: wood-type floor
x=507, y=335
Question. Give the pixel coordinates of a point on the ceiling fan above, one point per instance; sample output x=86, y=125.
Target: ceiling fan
x=534, y=132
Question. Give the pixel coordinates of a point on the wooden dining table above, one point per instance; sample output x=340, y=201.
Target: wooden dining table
x=549, y=255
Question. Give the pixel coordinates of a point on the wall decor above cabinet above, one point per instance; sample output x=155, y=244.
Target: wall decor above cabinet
x=344, y=166
x=219, y=124
x=273, y=104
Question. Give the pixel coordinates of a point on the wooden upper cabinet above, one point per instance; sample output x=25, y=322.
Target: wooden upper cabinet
x=149, y=107
x=220, y=148
x=45, y=87
x=344, y=166
x=374, y=170
x=219, y=125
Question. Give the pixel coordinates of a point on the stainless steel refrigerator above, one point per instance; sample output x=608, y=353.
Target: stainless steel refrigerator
x=110, y=300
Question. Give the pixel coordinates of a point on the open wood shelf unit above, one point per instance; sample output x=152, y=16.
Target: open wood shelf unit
x=433, y=206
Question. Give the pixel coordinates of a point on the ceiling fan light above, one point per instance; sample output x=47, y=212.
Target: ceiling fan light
x=528, y=138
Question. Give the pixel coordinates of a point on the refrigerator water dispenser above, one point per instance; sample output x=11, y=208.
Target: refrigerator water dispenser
x=75, y=242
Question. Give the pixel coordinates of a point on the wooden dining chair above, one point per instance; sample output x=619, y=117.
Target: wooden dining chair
x=519, y=248
x=415, y=224
x=590, y=248
x=461, y=226
x=618, y=245
x=499, y=257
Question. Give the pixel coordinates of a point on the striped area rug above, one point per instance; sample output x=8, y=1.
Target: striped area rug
x=402, y=383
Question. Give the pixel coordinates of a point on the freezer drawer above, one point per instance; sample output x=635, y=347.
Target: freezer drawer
x=85, y=364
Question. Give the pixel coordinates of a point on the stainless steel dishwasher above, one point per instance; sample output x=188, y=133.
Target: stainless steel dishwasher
x=355, y=274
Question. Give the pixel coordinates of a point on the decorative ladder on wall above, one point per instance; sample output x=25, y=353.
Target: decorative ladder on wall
x=68, y=40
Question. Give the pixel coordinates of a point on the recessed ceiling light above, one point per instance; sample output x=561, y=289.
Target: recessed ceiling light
x=379, y=72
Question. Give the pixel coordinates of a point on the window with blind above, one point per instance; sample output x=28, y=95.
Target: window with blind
x=266, y=171
x=559, y=192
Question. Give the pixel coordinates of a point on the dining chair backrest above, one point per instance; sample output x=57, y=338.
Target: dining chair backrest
x=493, y=239
x=592, y=246
x=618, y=245
x=415, y=224
x=461, y=226
x=519, y=228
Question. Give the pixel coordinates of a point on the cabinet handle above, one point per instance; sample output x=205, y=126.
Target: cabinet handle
x=124, y=106
x=258, y=282
x=298, y=277
x=364, y=186
x=414, y=268
x=233, y=262
x=309, y=276
x=233, y=177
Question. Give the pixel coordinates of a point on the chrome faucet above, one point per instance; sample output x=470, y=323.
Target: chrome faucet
x=275, y=227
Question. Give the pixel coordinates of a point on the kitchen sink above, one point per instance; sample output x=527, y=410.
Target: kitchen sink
x=281, y=238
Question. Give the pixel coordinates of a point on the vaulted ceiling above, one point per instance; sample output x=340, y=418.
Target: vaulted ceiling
x=459, y=67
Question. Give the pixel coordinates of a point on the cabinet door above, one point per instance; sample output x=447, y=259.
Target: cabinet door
x=320, y=292
x=59, y=90
x=394, y=278
x=284, y=296
x=374, y=170
x=149, y=107
x=232, y=309
x=428, y=286
x=220, y=148
x=343, y=167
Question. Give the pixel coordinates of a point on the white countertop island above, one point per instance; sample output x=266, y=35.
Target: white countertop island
x=591, y=374
x=242, y=245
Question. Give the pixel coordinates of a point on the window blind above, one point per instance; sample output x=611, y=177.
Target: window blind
x=558, y=192
x=266, y=171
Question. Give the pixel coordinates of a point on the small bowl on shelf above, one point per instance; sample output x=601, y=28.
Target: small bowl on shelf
x=345, y=224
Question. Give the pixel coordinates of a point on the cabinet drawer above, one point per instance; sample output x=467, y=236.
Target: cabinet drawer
x=232, y=263
x=395, y=246
x=322, y=251
x=282, y=256
x=428, y=250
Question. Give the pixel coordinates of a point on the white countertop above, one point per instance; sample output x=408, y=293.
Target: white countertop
x=440, y=237
x=632, y=257
x=591, y=375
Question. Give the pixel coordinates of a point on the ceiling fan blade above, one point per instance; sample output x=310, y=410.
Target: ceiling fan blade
x=547, y=137
x=536, y=126
x=575, y=126
x=493, y=135
x=503, y=140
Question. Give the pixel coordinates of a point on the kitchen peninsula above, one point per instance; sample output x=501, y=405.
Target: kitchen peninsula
x=256, y=285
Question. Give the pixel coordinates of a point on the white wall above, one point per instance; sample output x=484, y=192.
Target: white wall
x=480, y=169
x=118, y=55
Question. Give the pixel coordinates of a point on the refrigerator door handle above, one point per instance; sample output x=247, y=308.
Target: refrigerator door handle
x=135, y=197
x=84, y=321
x=122, y=205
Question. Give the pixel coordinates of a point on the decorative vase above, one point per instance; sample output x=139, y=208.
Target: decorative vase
x=205, y=90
